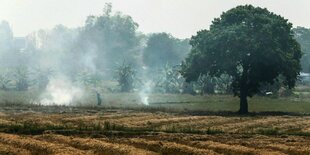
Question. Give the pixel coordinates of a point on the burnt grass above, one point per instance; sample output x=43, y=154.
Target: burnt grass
x=114, y=130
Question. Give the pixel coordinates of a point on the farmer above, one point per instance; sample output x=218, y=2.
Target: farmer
x=98, y=98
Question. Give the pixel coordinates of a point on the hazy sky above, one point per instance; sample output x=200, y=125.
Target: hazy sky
x=181, y=18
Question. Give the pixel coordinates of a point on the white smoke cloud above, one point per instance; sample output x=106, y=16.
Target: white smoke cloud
x=145, y=92
x=89, y=57
x=60, y=91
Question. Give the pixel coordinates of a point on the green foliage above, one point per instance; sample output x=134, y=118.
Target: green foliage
x=269, y=88
x=250, y=44
x=88, y=79
x=6, y=37
x=274, y=87
x=206, y=84
x=51, y=49
x=42, y=77
x=111, y=37
x=223, y=84
x=170, y=80
x=21, y=77
x=126, y=77
x=5, y=80
x=162, y=48
x=302, y=35
x=10, y=55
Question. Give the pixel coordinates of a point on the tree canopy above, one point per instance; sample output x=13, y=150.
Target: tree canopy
x=250, y=44
x=109, y=38
x=162, y=48
x=6, y=36
x=302, y=35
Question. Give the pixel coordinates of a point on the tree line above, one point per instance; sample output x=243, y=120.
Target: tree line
x=99, y=47
x=246, y=51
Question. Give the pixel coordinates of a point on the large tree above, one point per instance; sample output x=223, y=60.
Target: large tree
x=250, y=44
x=51, y=49
x=6, y=37
x=162, y=48
x=107, y=39
x=10, y=47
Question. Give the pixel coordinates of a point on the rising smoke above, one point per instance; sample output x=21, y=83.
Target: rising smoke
x=91, y=51
x=145, y=92
x=60, y=91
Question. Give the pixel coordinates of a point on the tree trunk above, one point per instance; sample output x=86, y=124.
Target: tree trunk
x=243, y=102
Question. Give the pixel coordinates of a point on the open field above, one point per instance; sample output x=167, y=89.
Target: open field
x=112, y=77
x=171, y=124
x=91, y=130
x=299, y=103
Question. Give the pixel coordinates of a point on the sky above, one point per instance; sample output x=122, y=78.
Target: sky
x=181, y=18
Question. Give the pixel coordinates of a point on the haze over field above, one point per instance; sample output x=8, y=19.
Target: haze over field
x=151, y=77
x=181, y=18
x=148, y=47
x=137, y=46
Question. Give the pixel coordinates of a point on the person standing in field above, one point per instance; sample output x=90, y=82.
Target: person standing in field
x=98, y=98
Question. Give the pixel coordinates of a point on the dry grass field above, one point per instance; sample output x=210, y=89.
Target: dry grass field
x=69, y=130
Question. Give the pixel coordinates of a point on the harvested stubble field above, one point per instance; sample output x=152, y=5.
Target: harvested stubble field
x=69, y=130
